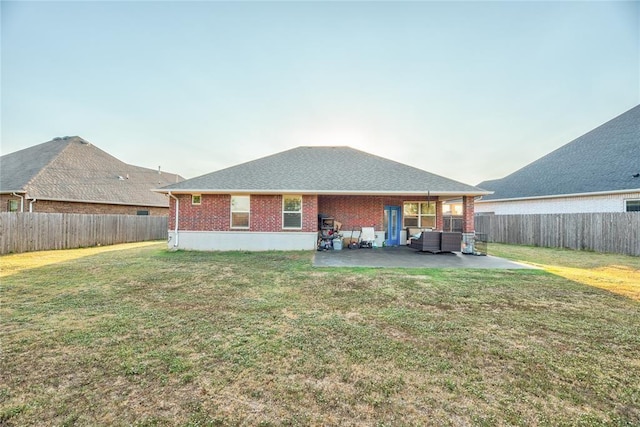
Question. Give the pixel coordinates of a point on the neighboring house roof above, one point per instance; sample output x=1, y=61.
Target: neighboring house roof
x=323, y=170
x=72, y=169
x=602, y=160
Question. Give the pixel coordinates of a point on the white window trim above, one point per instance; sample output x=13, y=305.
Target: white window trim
x=420, y=214
x=193, y=196
x=231, y=212
x=625, y=205
x=285, y=212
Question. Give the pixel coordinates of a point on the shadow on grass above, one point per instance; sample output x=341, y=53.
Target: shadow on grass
x=17, y=263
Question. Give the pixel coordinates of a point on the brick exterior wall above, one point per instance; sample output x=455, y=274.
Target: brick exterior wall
x=439, y=216
x=211, y=214
x=49, y=206
x=214, y=213
x=310, y=220
x=354, y=212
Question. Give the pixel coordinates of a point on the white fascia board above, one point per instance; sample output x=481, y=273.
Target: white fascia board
x=328, y=192
x=457, y=199
x=557, y=196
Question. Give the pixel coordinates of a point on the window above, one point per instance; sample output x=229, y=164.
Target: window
x=240, y=209
x=13, y=206
x=452, y=209
x=632, y=205
x=420, y=214
x=292, y=212
x=196, y=199
x=142, y=213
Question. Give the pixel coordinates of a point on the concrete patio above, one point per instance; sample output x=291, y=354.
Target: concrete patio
x=406, y=257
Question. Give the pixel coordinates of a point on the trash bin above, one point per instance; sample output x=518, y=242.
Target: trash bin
x=337, y=244
x=481, y=244
x=468, y=243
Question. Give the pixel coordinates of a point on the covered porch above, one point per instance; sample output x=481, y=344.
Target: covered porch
x=394, y=217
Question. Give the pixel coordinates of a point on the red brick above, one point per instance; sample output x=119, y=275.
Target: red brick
x=50, y=206
x=354, y=212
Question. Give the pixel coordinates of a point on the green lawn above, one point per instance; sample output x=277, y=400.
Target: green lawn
x=616, y=273
x=143, y=336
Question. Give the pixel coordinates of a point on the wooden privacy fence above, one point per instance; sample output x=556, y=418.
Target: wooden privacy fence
x=31, y=231
x=615, y=232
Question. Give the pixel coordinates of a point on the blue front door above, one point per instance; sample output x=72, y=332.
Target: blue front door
x=392, y=224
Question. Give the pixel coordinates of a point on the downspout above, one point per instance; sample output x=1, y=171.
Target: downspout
x=21, y=201
x=175, y=243
x=31, y=202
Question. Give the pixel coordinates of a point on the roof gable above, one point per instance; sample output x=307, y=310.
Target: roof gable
x=604, y=159
x=73, y=169
x=323, y=170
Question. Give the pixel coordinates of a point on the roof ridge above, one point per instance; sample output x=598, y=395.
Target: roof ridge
x=585, y=164
x=323, y=170
x=67, y=141
x=405, y=165
x=579, y=141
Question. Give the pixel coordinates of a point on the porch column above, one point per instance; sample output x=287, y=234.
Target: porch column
x=468, y=225
x=439, y=218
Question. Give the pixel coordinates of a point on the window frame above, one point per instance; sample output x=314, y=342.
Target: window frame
x=420, y=215
x=232, y=211
x=284, y=212
x=11, y=203
x=197, y=197
x=635, y=202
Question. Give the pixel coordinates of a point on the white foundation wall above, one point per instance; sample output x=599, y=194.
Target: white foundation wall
x=379, y=236
x=577, y=204
x=241, y=241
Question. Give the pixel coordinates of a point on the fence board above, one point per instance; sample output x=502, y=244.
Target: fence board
x=614, y=232
x=32, y=231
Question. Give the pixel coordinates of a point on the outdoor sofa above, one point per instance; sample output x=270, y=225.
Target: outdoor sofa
x=436, y=241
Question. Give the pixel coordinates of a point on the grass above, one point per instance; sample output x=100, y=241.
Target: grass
x=142, y=336
x=15, y=263
x=615, y=273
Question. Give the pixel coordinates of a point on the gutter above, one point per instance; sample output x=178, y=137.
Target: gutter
x=175, y=243
x=556, y=196
x=104, y=202
x=21, y=201
x=31, y=202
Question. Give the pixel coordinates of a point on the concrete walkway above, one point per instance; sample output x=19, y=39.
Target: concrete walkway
x=405, y=257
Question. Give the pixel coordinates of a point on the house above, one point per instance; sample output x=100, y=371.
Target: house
x=279, y=201
x=71, y=175
x=597, y=172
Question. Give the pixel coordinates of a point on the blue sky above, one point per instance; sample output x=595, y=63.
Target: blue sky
x=468, y=90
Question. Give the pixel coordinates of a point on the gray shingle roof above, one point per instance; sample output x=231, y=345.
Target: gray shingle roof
x=72, y=169
x=324, y=170
x=604, y=159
